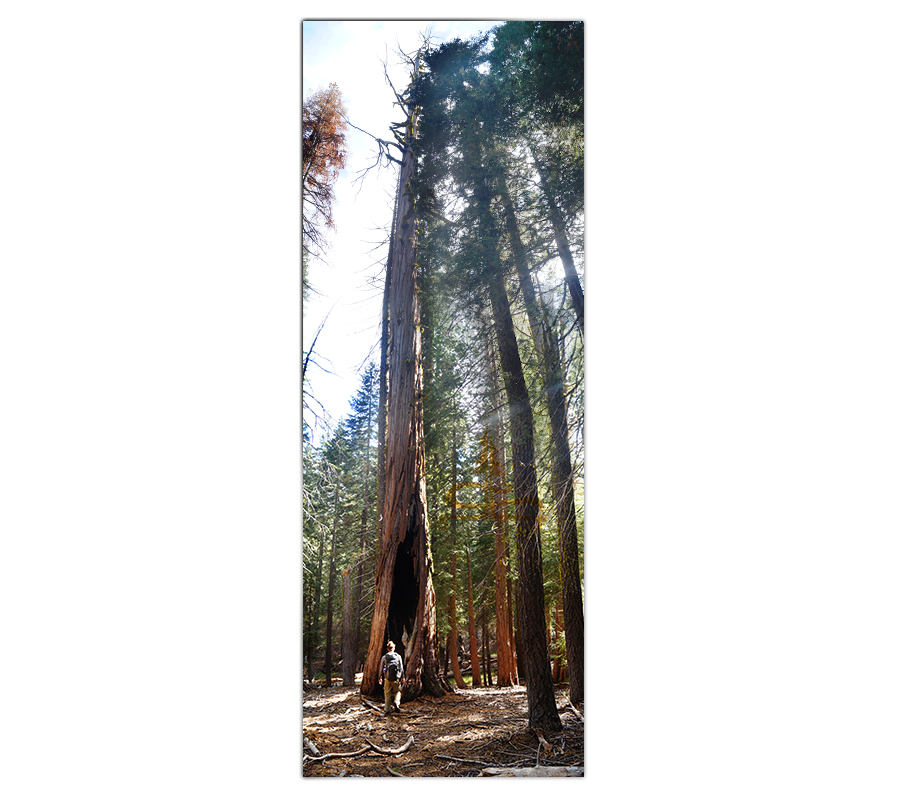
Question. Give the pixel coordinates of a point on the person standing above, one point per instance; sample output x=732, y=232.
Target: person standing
x=391, y=674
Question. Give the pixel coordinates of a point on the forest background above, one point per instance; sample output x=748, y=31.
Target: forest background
x=470, y=458
x=745, y=580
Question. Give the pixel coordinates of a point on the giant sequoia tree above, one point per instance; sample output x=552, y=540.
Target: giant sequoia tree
x=404, y=593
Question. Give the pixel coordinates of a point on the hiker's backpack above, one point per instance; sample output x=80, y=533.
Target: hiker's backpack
x=393, y=667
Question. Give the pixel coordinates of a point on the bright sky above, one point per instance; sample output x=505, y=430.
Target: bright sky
x=350, y=53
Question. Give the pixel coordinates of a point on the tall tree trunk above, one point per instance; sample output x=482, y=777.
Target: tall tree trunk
x=404, y=592
x=495, y=478
x=330, y=609
x=473, y=639
x=553, y=376
x=317, y=606
x=357, y=607
x=509, y=617
x=348, y=663
x=486, y=645
x=454, y=634
x=542, y=712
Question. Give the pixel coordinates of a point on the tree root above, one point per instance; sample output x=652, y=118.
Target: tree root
x=381, y=751
x=371, y=747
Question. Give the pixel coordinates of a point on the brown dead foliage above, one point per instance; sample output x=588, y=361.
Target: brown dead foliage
x=454, y=736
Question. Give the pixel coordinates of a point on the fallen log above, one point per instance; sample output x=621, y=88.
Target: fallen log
x=539, y=771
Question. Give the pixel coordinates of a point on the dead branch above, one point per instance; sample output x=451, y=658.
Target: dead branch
x=574, y=709
x=462, y=760
x=381, y=751
x=395, y=773
x=540, y=771
x=369, y=704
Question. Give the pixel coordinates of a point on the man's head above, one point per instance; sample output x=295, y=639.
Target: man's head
x=390, y=645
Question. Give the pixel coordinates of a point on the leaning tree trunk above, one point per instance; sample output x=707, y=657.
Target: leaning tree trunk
x=535, y=656
x=562, y=244
x=404, y=607
x=553, y=376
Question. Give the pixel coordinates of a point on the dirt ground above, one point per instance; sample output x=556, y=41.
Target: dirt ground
x=454, y=736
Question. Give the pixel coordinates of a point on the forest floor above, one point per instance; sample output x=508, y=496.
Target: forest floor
x=456, y=735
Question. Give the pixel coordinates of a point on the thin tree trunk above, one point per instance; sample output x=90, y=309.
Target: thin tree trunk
x=317, y=606
x=451, y=646
x=348, y=663
x=486, y=647
x=473, y=640
x=562, y=637
x=330, y=609
x=513, y=641
x=494, y=460
x=556, y=645
x=445, y=656
x=553, y=376
x=357, y=604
